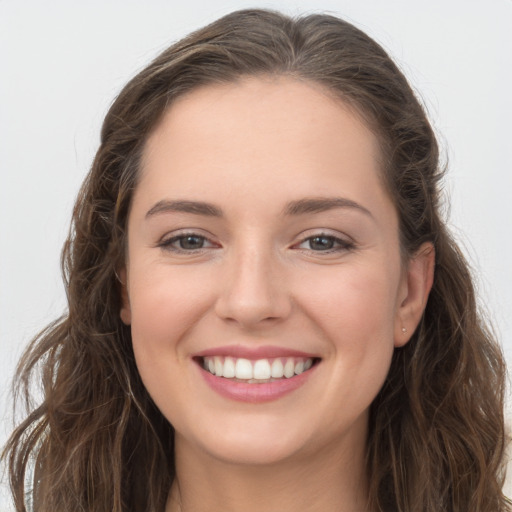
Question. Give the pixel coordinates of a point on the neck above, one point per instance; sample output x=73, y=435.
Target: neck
x=331, y=481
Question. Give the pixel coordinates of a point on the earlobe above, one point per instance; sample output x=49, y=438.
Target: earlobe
x=416, y=288
x=125, y=313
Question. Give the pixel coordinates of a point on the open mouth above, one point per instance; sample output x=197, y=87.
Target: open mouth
x=258, y=371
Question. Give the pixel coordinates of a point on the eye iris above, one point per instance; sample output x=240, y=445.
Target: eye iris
x=321, y=243
x=191, y=242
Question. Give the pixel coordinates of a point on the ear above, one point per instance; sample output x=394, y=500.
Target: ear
x=126, y=312
x=414, y=290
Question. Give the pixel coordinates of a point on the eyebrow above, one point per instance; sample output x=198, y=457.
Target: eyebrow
x=322, y=204
x=300, y=207
x=194, y=207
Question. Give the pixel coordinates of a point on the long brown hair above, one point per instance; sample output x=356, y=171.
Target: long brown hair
x=97, y=442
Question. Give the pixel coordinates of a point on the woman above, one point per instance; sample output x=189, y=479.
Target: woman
x=265, y=307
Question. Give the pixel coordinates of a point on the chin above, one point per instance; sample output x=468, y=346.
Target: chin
x=252, y=452
x=260, y=443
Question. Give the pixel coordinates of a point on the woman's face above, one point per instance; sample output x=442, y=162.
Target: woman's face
x=263, y=246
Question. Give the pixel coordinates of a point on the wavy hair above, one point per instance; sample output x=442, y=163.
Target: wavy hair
x=97, y=442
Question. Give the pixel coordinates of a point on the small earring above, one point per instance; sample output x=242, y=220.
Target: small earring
x=404, y=330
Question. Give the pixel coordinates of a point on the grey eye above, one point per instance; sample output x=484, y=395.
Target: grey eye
x=191, y=242
x=321, y=243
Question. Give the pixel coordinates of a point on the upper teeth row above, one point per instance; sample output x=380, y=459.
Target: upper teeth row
x=230, y=367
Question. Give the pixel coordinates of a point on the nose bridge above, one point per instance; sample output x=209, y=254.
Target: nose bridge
x=254, y=287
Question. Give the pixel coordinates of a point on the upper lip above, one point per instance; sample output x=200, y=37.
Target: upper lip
x=248, y=352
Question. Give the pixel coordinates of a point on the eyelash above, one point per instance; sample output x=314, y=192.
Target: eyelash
x=167, y=244
x=339, y=244
x=342, y=245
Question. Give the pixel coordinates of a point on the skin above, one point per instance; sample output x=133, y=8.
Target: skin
x=250, y=149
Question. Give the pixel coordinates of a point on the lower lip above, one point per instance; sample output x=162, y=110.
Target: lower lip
x=255, y=393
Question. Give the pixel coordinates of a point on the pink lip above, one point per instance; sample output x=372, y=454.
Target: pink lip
x=253, y=353
x=255, y=393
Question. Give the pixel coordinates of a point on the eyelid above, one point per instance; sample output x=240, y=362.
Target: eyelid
x=166, y=241
x=344, y=242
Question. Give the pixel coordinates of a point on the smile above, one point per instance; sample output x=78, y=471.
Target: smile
x=246, y=376
x=256, y=371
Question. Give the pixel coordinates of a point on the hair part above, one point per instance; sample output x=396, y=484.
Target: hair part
x=97, y=441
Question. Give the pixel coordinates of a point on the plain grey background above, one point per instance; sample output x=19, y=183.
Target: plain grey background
x=62, y=63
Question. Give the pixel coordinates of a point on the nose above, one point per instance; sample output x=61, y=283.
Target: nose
x=253, y=290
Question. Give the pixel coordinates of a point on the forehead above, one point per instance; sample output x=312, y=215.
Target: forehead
x=256, y=98
x=289, y=133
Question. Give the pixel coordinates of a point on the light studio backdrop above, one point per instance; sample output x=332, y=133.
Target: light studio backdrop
x=62, y=63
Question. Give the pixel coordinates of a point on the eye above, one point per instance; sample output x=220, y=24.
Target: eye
x=190, y=242
x=186, y=242
x=325, y=243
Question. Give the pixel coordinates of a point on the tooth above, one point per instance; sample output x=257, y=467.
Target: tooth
x=262, y=369
x=299, y=367
x=243, y=369
x=228, y=370
x=255, y=371
x=217, y=361
x=289, y=368
x=277, y=370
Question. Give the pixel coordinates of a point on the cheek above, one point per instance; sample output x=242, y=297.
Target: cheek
x=352, y=303
x=165, y=304
x=355, y=312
